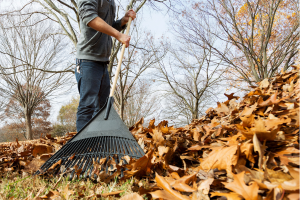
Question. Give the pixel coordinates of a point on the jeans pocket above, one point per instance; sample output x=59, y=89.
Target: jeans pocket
x=78, y=71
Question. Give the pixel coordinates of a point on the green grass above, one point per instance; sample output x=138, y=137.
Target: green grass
x=18, y=187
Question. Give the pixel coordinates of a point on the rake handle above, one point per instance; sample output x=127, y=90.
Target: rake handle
x=111, y=95
x=120, y=62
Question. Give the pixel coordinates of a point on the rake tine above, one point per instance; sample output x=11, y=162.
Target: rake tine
x=73, y=170
x=113, y=146
x=80, y=163
x=90, y=157
x=111, y=151
x=64, y=149
x=67, y=161
x=89, y=169
x=134, y=149
x=137, y=149
x=127, y=149
x=99, y=148
x=105, y=146
x=131, y=146
x=84, y=160
x=74, y=162
x=123, y=146
x=75, y=159
x=140, y=150
x=45, y=166
x=117, y=145
x=94, y=156
x=86, y=165
x=109, y=146
x=68, y=150
x=138, y=153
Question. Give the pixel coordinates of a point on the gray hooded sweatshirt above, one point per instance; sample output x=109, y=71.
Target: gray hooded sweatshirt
x=94, y=45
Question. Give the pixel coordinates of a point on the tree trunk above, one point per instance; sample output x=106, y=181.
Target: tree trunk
x=29, y=135
x=195, y=115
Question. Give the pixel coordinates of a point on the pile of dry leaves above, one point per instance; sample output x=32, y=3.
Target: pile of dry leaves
x=247, y=149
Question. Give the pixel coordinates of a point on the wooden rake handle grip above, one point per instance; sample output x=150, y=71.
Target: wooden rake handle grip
x=120, y=62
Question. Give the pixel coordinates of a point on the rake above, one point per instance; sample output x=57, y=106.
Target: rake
x=104, y=136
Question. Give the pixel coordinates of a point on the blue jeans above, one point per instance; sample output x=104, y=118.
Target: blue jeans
x=93, y=87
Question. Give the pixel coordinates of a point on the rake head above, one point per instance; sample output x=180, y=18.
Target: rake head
x=97, y=140
x=86, y=152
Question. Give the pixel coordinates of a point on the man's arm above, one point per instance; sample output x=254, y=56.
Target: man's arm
x=100, y=25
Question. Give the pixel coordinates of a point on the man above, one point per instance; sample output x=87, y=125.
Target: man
x=97, y=25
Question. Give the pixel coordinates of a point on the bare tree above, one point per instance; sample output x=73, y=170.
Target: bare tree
x=263, y=35
x=67, y=115
x=27, y=53
x=14, y=118
x=190, y=81
x=141, y=102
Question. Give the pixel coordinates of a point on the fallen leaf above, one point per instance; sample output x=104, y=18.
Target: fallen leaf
x=55, y=165
x=162, y=194
x=229, y=196
x=260, y=130
x=77, y=170
x=116, y=194
x=132, y=196
x=158, y=139
x=230, y=96
x=257, y=148
x=51, y=195
x=204, y=187
x=222, y=108
x=66, y=192
x=264, y=84
x=294, y=196
x=41, y=149
x=162, y=150
x=222, y=158
x=161, y=182
x=248, y=110
x=182, y=187
x=238, y=185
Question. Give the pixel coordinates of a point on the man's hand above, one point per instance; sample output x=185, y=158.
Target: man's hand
x=129, y=13
x=124, y=39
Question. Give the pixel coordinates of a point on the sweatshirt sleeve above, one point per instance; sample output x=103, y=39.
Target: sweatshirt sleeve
x=118, y=25
x=87, y=10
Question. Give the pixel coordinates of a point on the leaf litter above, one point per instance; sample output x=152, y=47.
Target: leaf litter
x=246, y=149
